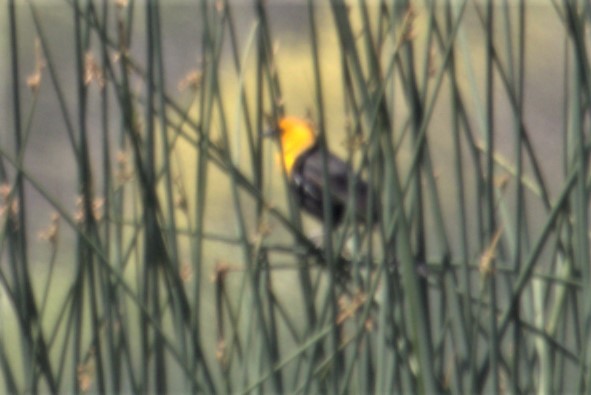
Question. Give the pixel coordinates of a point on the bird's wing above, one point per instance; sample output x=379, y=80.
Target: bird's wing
x=338, y=175
x=309, y=179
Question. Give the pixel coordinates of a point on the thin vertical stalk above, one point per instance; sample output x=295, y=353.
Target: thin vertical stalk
x=581, y=97
x=518, y=83
x=110, y=294
x=155, y=253
x=463, y=318
x=85, y=254
x=490, y=190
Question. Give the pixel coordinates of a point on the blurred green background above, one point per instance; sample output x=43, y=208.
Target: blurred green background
x=196, y=273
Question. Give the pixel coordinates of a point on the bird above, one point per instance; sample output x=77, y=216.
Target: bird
x=302, y=159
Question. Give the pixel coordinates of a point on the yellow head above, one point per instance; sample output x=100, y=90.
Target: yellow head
x=296, y=137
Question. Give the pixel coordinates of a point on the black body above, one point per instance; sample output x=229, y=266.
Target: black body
x=307, y=179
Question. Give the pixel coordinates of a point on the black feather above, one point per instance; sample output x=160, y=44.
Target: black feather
x=307, y=179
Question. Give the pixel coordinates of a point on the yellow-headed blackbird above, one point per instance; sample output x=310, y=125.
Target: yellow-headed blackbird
x=302, y=160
